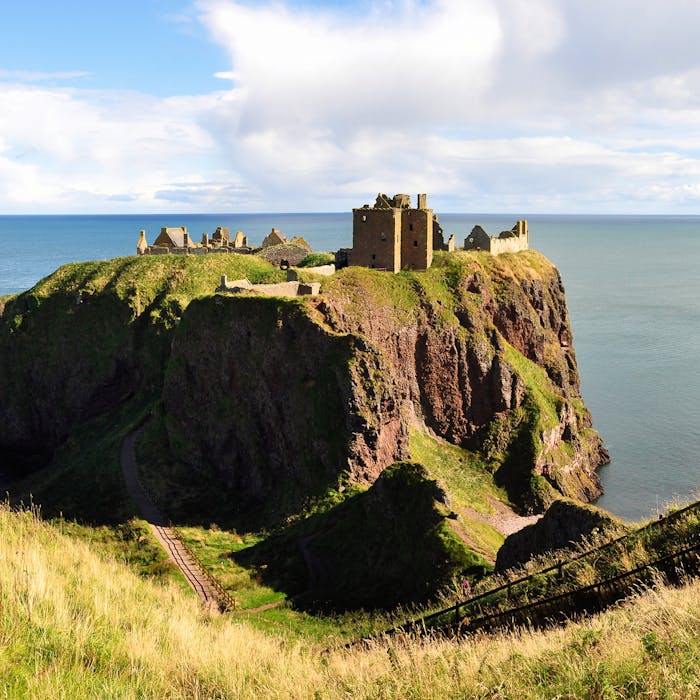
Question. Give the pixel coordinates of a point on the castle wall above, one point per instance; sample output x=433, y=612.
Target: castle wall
x=416, y=239
x=507, y=242
x=376, y=238
x=508, y=245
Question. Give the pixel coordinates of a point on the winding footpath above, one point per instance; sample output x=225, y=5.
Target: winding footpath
x=166, y=535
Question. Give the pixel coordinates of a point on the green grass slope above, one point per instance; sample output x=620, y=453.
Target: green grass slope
x=75, y=625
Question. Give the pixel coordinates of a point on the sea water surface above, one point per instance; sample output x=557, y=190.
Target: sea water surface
x=633, y=290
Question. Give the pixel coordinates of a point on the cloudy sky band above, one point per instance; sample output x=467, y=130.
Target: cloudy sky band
x=489, y=105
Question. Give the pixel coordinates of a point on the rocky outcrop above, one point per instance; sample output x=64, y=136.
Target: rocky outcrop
x=564, y=525
x=281, y=400
x=306, y=396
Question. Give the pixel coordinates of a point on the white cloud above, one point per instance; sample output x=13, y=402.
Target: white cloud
x=65, y=149
x=526, y=97
x=35, y=77
x=303, y=69
x=486, y=104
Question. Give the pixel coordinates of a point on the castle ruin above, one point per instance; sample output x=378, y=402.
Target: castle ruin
x=517, y=239
x=391, y=235
x=176, y=239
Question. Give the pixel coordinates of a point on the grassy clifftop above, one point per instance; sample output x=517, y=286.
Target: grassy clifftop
x=91, y=335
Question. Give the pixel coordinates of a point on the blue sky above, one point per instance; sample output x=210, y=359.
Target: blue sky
x=518, y=106
x=155, y=46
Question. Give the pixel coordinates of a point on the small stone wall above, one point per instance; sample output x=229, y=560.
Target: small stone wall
x=507, y=245
x=281, y=289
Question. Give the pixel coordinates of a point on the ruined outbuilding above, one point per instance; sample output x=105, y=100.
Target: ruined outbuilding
x=178, y=240
x=517, y=239
x=173, y=237
x=275, y=237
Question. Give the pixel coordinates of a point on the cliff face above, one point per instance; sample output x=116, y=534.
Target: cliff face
x=63, y=360
x=88, y=337
x=279, y=408
x=479, y=349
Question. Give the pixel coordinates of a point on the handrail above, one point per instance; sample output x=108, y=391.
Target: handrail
x=226, y=601
x=578, y=592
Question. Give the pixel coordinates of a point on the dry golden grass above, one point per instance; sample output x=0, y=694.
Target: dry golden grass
x=75, y=626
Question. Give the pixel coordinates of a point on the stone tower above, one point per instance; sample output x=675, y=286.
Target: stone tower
x=393, y=236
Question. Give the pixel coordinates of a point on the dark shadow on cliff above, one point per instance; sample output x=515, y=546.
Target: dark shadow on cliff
x=387, y=546
x=83, y=481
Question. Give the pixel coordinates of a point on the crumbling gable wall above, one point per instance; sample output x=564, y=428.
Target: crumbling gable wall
x=478, y=239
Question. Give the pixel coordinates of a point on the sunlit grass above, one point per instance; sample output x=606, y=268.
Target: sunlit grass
x=76, y=626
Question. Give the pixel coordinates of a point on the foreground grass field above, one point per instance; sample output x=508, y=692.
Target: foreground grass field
x=73, y=625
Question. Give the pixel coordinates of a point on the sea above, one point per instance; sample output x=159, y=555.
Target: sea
x=633, y=291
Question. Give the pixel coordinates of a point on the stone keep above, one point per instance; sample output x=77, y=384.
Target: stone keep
x=393, y=236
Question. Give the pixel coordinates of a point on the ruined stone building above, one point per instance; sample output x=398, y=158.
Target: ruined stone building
x=518, y=238
x=392, y=235
x=174, y=237
x=177, y=240
x=275, y=237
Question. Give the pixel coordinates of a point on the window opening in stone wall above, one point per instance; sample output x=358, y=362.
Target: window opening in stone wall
x=410, y=227
x=382, y=236
x=364, y=218
x=374, y=257
x=415, y=244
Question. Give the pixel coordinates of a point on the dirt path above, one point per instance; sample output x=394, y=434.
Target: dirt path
x=505, y=519
x=166, y=535
x=261, y=608
x=502, y=518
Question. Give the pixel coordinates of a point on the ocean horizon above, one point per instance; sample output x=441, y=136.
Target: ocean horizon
x=632, y=289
